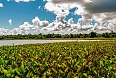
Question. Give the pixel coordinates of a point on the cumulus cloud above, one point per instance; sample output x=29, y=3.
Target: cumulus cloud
x=102, y=11
x=57, y=9
x=92, y=8
x=25, y=26
x=10, y=21
x=58, y=27
x=1, y=5
x=3, y=31
x=37, y=22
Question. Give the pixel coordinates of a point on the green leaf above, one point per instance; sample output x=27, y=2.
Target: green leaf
x=94, y=72
x=44, y=75
x=79, y=68
x=17, y=71
x=55, y=71
x=109, y=68
x=30, y=74
x=114, y=75
x=5, y=72
x=85, y=75
x=11, y=71
x=69, y=75
x=101, y=63
x=2, y=61
x=22, y=68
x=86, y=52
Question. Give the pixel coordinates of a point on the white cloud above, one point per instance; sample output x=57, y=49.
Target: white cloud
x=44, y=23
x=1, y=5
x=58, y=9
x=3, y=31
x=10, y=22
x=60, y=26
x=25, y=26
x=36, y=22
x=88, y=9
x=39, y=7
x=88, y=1
x=70, y=21
x=80, y=10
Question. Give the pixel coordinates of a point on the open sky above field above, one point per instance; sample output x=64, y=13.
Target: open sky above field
x=57, y=16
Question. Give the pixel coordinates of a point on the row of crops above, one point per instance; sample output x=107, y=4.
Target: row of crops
x=59, y=60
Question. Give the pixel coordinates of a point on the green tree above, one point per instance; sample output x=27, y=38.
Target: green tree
x=93, y=34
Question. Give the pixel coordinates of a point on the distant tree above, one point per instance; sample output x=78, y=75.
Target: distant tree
x=93, y=34
x=106, y=35
x=43, y=36
x=99, y=35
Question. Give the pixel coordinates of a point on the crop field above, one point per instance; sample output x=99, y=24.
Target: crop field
x=59, y=60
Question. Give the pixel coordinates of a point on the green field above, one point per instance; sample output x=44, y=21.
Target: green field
x=59, y=60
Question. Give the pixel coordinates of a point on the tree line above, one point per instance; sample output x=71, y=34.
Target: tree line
x=45, y=36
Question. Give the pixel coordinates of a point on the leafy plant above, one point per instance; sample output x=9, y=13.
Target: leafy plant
x=67, y=59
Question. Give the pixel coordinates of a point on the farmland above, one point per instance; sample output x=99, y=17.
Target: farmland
x=62, y=60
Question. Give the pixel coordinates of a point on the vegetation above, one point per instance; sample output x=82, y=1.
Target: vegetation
x=59, y=60
x=43, y=36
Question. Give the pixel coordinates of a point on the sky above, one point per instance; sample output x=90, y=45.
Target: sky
x=57, y=16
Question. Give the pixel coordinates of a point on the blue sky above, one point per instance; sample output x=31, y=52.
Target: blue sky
x=52, y=16
x=21, y=12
